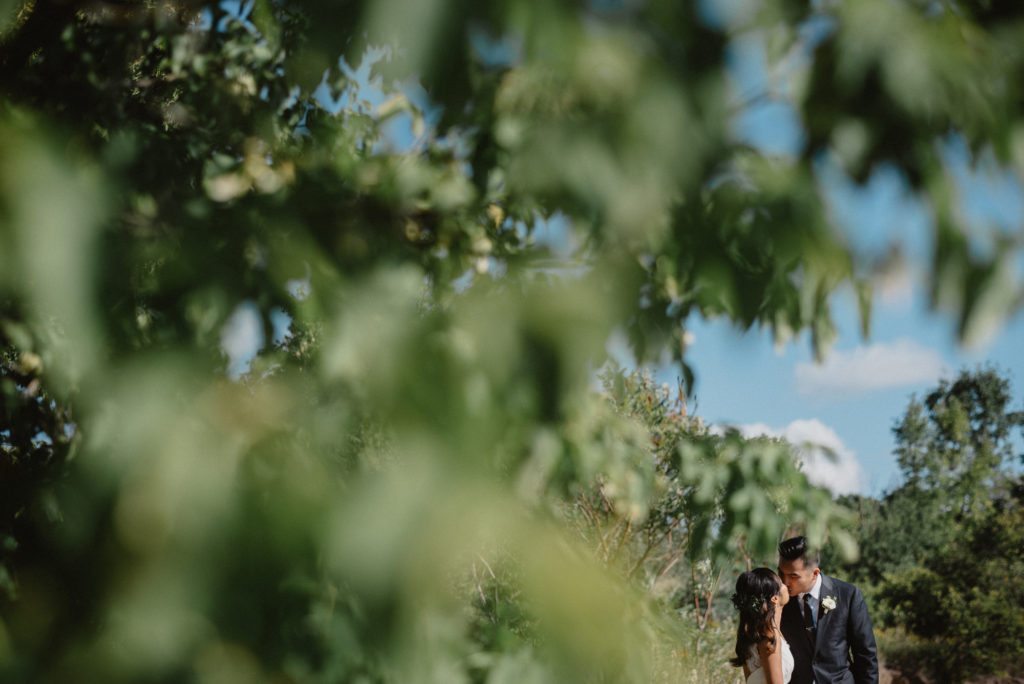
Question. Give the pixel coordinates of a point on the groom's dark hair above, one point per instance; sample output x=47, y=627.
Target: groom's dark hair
x=796, y=548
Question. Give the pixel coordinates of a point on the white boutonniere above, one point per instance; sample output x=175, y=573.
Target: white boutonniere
x=828, y=603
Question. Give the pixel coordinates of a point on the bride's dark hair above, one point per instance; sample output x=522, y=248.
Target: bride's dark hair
x=754, y=591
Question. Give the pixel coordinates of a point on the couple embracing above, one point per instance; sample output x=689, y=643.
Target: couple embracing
x=802, y=627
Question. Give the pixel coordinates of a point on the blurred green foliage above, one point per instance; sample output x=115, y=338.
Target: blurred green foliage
x=427, y=435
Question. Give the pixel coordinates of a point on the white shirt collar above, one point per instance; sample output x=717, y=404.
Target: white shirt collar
x=816, y=589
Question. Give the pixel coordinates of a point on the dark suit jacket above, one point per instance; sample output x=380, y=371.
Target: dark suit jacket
x=844, y=650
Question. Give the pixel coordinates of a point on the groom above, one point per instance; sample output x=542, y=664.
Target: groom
x=826, y=622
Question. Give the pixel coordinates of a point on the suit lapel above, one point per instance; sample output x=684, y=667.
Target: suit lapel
x=826, y=590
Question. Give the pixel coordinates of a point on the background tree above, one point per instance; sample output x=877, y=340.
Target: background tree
x=964, y=442
x=956, y=450
x=964, y=603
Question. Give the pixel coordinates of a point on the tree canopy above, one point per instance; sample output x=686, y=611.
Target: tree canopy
x=449, y=260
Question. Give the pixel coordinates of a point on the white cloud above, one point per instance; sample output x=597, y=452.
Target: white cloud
x=827, y=462
x=901, y=363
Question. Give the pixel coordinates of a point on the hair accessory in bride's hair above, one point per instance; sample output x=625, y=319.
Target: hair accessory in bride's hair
x=746, y=602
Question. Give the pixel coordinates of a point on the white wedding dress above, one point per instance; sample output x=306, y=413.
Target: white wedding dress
x=754, y=663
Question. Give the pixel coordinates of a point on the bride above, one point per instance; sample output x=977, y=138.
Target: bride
x=760, y=648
